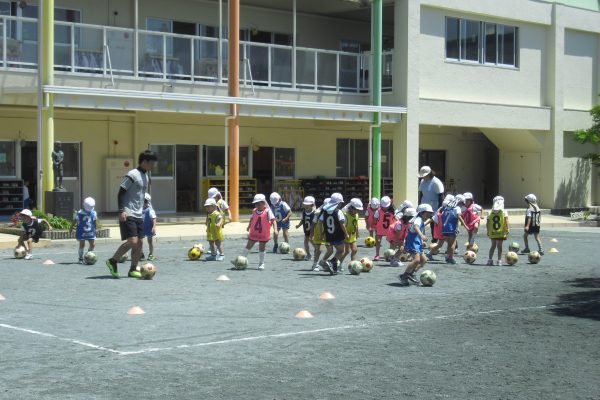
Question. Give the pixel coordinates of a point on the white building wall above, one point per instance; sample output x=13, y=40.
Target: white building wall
x=580, y=78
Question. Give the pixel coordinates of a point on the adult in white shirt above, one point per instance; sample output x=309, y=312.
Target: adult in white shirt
x=431, y=190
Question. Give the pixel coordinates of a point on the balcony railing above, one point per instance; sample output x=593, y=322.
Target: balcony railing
x=84, y=48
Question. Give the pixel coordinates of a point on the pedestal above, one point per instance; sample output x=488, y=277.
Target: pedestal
x=59, y=204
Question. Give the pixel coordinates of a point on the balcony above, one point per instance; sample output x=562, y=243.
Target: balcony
x=112, y=52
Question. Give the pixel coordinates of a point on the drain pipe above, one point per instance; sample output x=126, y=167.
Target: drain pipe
x=371, y=128
x=226, y=172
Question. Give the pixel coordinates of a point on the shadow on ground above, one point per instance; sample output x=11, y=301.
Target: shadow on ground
x=583, y=304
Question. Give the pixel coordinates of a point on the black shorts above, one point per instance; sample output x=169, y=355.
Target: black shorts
x=34, y=238
x=533, y=229
x=132, y=227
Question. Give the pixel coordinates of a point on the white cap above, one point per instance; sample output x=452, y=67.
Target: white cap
x=447, y=200
x=405, y=204
x=275, y=198
x=89, y=203
x=27, y=212
x=424, y=171
x=336, y=198
x=386, y=201
x=410, y=212
x=459, y=198
x=356, y=203
x=326, y=201
x=498, y=203
x=308, y=200
x=147, y=197
x=212, y=192
x=531, y=198
x=374, y=203
x=477, y=208
x=210, y=202
x=468, y=196
x=424, y=208
x=258, y=198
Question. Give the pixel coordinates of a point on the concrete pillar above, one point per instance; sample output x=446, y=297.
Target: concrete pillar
x=407, y=17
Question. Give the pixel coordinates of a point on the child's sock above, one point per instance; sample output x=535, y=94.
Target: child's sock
x=261, y=257
x=80, y=253
x=245, y=252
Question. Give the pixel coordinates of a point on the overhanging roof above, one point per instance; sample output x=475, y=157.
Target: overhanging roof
x=131, y=100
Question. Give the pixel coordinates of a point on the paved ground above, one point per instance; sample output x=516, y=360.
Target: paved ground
x=525, y=332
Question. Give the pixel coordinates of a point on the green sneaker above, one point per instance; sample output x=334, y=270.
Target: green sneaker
x=151, y=257
x=112, y=267
x=134, y=274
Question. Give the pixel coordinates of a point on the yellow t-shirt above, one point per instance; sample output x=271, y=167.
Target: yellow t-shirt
x=214, y=226
x=351, y=227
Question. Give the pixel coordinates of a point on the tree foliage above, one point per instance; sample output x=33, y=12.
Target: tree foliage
x=591, y=135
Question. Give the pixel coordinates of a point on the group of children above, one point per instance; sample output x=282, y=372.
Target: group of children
x=332, y=225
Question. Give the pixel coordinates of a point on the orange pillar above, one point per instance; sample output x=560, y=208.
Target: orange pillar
x=234, y=123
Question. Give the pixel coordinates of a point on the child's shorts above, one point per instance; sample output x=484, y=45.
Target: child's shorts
x=283, y=225
x=533, y=229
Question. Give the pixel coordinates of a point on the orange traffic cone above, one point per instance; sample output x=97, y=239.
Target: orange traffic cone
x=2, y=297
x=326, y=296
x=48, y=262
x=304, y=314
x=222, y=278
x=553, y=250
x=136, y=310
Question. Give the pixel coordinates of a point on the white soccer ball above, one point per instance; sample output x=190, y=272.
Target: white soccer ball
x=514, y=246
x=367, y=264
x=240, y=263
x=299, y=254
x=511, y=258
x=20, y=252
x=283, y=248
x=534, y=257
x=470, y=256
x=388, y=254
x=428, y=278
x=90, y=258
x=355, y=267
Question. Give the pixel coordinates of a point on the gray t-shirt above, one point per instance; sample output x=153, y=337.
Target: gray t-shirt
x=135, y=184
x=431, y=190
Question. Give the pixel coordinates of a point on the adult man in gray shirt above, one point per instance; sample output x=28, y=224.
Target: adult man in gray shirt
x=131, y=204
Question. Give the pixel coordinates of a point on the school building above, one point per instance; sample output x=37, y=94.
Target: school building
x=486, y=92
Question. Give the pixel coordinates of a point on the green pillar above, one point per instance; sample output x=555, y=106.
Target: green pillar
x=47, y=75
x=376, y=96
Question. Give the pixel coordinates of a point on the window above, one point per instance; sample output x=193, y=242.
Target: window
x=214, y=157
x=481, y=42
x=352, y=158
x=7, y=159
x=163, y=168
x=285, y=163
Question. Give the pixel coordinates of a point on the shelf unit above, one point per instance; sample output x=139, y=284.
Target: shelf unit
x=322, y=188
x=11, y=196
x=387, y=187
x=291, y=192
x=247, y=190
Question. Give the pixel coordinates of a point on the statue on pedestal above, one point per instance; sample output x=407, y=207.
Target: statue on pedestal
x=57, y=165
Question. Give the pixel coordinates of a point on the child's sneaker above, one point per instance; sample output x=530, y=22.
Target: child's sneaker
x=450, y=261
x=541, y=252
x=81, y=261
x=220, y=257
x=212, y=257
x=429, y=256
x=275, y=248
x=396, y=263
x=376, y=258
x=489, y=263
x=28, y=256
x=150, y=257
x=112, y=267
x=412, y=277
x=526, y=250
x=499, y=263
x=261, y=266
x=323, y=264
x=315, y=268
x=403, y=280
x=307, y=257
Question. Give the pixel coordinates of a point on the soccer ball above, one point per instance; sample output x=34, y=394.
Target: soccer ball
x=369, y=241
x=514, y=247
x=428, y=278
x=20, y=252
x=284, y=248
x=388, y=254
x=148, y=270
x=404, y=257
x=194, y=253
x=240, y=263
x=470, y=256
x=434, y=251
x=367, y=264
x=475, y=248
x=511, y=258
x=90, y=258
x=355, y=267
x=534, y=257
x=123, y=258
x=299, y=254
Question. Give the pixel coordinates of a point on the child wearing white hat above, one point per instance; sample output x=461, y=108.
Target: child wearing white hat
x=351, y=214
x=283, y=213
x=32, y=232
x=384, y=220
x=334, y=226
x=306, y=221
x=86, y=226
x=532, y=223
x=149, y=216
x=497, y=229
x=259, y=229
x=214, y=230
x=414, y=244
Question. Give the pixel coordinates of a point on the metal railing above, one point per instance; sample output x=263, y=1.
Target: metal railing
x=84, y=48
